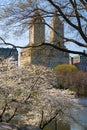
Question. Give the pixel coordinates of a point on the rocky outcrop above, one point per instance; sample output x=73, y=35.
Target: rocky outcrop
x=6, y=126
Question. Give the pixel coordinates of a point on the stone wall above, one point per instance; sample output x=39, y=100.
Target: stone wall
x=25, y=57
x=46, y=56
x=49, y=57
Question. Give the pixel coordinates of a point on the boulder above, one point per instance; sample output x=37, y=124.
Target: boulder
x=7, y=126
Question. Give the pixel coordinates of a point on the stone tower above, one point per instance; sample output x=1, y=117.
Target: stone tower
x=36, y=37
x=44, y=55
x=56, y=37
x=37, y=30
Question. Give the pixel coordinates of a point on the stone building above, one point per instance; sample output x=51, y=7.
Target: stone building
x=44, y=55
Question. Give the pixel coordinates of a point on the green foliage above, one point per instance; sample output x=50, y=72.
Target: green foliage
x=79, y=85
x=66, y=68
x=69, y=77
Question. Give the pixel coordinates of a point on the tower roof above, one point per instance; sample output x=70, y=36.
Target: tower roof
x=56, y=18
x=37, y=17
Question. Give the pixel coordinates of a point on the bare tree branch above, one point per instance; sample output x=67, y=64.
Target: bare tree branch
x=12, y=116
x=1, y=115
x=43, y=123
x=68, y=21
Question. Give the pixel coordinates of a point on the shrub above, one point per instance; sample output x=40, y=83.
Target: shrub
x=66, y=68
x=70, y=78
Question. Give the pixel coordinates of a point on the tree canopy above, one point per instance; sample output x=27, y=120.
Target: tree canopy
x=17, y=15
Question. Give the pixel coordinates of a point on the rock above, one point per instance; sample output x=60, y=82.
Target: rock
x=29, y=127
x=7, y=126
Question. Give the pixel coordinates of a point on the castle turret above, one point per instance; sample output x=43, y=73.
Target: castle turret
x=36, y=36
x=37, y=29
x=57, y=31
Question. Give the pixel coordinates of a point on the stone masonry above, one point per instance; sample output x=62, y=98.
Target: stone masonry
x=44, y=55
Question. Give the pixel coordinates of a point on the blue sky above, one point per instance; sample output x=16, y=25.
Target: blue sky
x=24, y=39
